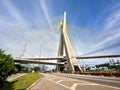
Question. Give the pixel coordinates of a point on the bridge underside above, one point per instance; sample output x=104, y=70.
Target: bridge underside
x=37, y=62
x=67, y=67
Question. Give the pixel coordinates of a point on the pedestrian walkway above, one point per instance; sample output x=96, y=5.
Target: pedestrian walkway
x=13, y=76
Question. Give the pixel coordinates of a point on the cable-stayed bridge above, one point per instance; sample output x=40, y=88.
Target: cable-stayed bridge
x=66, y=55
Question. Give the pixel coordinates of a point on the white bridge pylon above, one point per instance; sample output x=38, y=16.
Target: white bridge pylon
x=72, y=63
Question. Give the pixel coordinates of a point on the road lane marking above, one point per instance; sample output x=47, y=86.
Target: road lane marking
x=59, y=84
x=75, y=84
x=59, y=81
x=73, y=87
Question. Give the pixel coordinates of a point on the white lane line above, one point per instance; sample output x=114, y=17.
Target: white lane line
x=59, y=84
x=73, y=87
x=59, y=81
x=101, y=84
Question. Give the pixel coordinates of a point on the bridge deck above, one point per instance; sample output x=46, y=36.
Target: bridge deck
x=37, y=61
x=40, y=60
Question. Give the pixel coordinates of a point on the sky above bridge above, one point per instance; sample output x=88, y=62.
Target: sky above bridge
x=94, y=24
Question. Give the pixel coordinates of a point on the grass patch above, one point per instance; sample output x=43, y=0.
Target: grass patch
x=21, y=83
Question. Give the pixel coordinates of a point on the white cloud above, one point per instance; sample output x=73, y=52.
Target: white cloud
x=45, y=10
x=14, y=38
x=113, y=20
x=111, y=28
x=13, y=11
x=108, y=39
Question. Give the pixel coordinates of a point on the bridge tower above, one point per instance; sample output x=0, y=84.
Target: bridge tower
x=65, y=46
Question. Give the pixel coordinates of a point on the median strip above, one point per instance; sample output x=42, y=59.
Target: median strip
x=21, y=83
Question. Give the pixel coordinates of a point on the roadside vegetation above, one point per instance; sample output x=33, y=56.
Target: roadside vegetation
x=21, y=83
x=6, y=66
x=36, y=69
x=96, y=73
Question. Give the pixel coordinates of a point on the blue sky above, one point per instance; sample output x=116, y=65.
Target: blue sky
x=94, y=24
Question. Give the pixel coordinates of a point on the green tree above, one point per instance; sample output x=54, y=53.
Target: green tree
x=36, y=69
x=6, y=66
x=19, y=67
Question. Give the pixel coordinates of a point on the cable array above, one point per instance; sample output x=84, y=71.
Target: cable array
x=13, y=37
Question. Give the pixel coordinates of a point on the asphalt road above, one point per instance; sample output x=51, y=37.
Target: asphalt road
x=110, y=81
x=65, y=82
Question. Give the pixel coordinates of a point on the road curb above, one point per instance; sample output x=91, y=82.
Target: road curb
x=12, y=78
x=34, y=83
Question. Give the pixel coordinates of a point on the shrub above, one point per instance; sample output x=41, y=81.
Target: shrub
x=6, y=66
x=36, y=69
